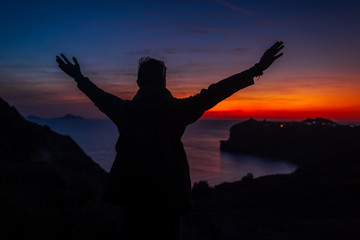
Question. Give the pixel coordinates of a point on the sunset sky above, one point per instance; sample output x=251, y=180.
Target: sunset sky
x=201, y=42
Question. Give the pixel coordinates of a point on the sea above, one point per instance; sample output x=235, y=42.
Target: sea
x=97, y=137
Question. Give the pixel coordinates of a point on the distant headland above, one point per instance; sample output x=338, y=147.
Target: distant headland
x=65, y=117
x=50, y=187
x=308, y=141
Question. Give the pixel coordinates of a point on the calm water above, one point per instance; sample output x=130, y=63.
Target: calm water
x=97, y=137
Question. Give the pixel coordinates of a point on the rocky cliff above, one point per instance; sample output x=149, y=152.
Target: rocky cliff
x=50, y=190
x=49, y=186
x=319, y=201
x=319, y=146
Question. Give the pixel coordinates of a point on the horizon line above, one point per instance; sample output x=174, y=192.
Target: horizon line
x=212, y=117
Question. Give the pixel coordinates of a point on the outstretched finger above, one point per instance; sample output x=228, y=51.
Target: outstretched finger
x=276, y=46
x=277, y=56
x=279, y=43
x=59, y=60
x=66, y=60
x=75, y=61
x=276, y=51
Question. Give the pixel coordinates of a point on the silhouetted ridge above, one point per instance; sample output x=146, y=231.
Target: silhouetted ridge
x=49, y=189
x=31, y=142
x=8, y=114
x=42, y=175
x=318, y=201
x=70, y=116
x=66, y=117
x=319, y=121
x=250, y=122
x=316, y=145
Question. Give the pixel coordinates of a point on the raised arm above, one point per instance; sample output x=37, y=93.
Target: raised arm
x=106, y=102
x=223, y=89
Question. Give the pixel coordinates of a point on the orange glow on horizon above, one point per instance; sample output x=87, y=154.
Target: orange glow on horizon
x=334, y=115
x=271, y=98
x=335, y=100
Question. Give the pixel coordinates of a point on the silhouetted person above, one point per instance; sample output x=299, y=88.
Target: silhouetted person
x=150, y=175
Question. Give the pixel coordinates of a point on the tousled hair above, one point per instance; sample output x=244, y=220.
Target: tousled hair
x=151, y=71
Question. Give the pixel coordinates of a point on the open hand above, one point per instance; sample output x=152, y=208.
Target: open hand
x=69, y=68
x=270, y=55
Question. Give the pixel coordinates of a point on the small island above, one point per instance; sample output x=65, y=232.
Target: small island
x=65, y=117
x=70, y=117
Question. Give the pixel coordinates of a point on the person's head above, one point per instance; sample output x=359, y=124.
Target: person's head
x=151, y=71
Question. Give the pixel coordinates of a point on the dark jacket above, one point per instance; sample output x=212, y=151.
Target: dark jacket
x=151, y=167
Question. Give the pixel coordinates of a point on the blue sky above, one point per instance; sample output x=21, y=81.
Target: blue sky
x=200, y=41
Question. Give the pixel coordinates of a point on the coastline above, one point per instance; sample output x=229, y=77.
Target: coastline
x=50, y=189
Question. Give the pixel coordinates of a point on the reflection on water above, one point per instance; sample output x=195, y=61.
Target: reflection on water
x=222, y=167
x=207, y=162
x=201, y=141
x=234, y=165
